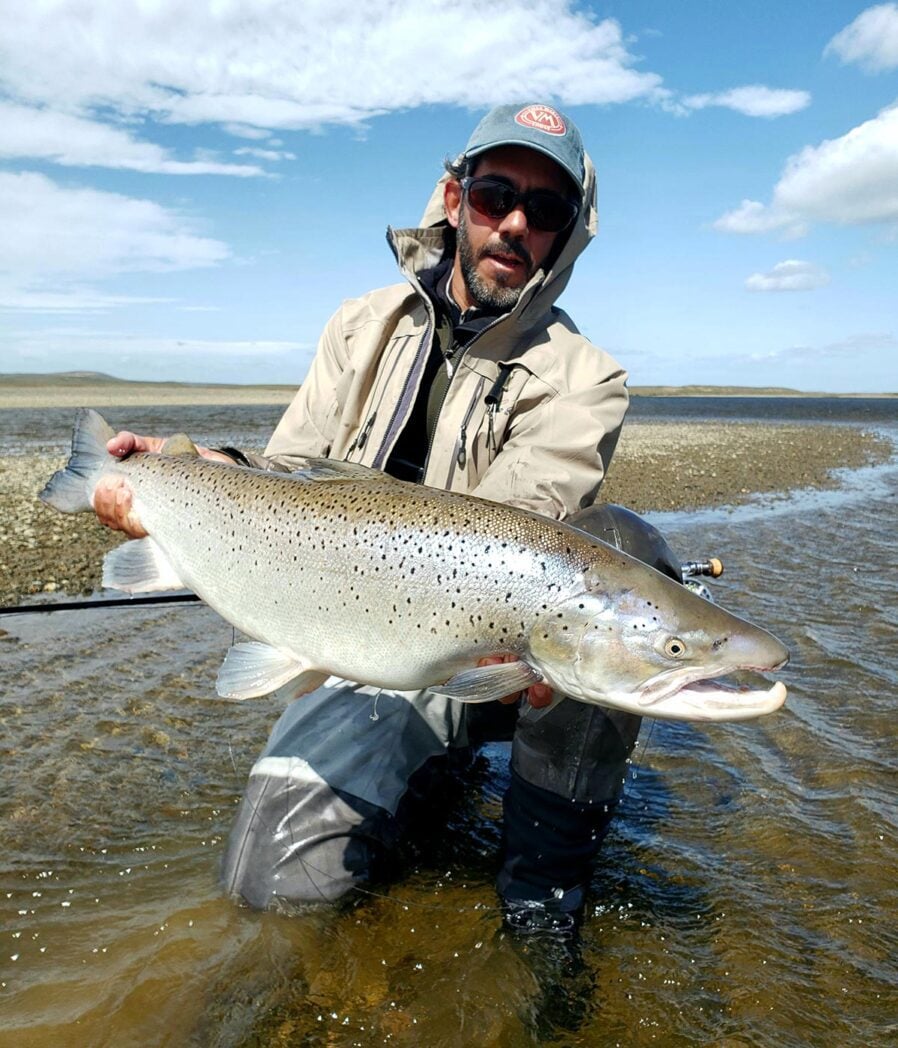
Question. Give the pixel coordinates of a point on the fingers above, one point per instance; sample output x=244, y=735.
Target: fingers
x=112, y=504
x=215, y=456
x=127, y=443
x=539, y=695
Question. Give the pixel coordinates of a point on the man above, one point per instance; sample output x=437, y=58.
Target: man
x=464, y=377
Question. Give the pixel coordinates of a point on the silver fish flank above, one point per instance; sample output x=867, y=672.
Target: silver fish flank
x=339, y=569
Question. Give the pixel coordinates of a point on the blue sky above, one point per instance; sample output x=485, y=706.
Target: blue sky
x=188, y=191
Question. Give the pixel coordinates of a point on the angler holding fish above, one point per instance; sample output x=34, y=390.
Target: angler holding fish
x=388, y=600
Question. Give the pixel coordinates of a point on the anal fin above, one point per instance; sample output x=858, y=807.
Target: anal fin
x=139, y=566
x=251, y=669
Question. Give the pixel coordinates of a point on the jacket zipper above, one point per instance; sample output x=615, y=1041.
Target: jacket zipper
x=493, y=399
x=461, y=449
x=362, y=436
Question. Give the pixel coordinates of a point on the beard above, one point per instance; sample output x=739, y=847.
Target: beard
x=488, y=294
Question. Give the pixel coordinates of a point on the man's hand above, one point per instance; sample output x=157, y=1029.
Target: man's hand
x=112, y=496
x=538, y=695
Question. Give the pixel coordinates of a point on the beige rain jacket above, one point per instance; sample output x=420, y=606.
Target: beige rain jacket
x=546, y=444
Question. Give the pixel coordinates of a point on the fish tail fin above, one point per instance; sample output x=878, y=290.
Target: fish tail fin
x=69, y=490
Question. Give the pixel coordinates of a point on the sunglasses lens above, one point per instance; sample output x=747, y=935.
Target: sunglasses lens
x=545, y=210
x=549, y=212
x=491, y=198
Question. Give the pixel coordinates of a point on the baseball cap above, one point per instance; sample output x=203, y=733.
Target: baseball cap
x=536, y=126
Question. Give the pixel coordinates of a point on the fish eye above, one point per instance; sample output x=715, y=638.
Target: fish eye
x=675, y=648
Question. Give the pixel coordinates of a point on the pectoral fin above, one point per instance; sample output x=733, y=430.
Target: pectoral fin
x=252, y=669
x=486, y=683
x=139, y=566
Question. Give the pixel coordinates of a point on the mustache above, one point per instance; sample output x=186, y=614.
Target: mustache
x=507, y=247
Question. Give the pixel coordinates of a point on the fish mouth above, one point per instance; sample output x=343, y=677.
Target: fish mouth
x=709, y=698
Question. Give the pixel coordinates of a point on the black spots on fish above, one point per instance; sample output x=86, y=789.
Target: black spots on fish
x=719, y=643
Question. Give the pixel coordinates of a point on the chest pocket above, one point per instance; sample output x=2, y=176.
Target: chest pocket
x=500, y=403
x=486, y=426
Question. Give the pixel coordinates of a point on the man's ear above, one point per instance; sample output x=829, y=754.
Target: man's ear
x=452, y=195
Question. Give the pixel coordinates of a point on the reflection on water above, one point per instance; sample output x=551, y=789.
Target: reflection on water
x=746, y=896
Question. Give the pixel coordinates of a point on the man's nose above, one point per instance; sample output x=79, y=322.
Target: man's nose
x=515, y=222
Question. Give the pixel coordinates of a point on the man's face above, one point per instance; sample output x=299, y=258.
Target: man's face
x=496, y=257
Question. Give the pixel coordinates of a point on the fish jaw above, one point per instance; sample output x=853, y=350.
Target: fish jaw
x=691, y=696
x=708, y=700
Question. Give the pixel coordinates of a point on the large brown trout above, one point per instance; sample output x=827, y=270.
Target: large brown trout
x=340, y=569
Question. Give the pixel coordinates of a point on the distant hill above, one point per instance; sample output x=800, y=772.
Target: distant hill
x=718, y=391
x=737, y=391
x=73, y=380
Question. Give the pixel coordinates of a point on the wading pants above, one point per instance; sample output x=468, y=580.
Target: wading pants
x=346, y=769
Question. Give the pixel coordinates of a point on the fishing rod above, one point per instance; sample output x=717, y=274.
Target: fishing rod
x=711, y=567
x=112, y=602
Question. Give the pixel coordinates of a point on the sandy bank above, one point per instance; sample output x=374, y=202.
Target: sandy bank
x=658, y=466
x=136, y=394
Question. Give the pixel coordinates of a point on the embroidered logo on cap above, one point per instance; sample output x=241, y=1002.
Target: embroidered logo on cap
x=541, y=118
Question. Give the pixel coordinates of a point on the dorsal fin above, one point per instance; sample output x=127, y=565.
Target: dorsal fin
x=311, y=468
x=179, y=444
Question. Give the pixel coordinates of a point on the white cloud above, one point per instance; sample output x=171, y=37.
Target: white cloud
x=264, y=154
x=791, y=275
x=76, y=342
x=282, y=64
x=753, y=100
x=851, y=180
x=74, y=141
x=56, y=240
x=245, y=131
x=881, y=343
x=871, y=40
x=751, y=216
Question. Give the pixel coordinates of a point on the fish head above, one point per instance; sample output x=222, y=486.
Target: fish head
x=655, y=649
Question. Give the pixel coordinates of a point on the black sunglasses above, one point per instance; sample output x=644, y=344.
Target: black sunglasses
x=545, y=210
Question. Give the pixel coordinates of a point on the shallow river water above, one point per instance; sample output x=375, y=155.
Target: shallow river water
x=746, y=896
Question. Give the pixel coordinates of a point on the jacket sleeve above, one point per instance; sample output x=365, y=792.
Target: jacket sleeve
x=558, y=446
x=307, y=426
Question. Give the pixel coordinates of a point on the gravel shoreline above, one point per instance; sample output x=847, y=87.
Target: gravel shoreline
x=658, y=466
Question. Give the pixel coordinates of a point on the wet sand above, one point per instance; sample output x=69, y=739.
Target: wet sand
x=657, y=466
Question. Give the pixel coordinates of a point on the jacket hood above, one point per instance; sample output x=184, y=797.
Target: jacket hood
x=424, y=247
